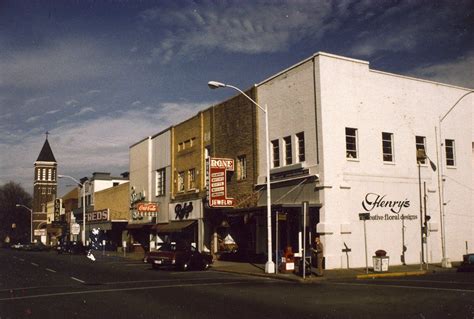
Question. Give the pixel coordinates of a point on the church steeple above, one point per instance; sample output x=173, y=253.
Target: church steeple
x=46, y=154
x=45, y=183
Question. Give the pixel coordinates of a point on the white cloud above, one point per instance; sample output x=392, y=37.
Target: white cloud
x=81, y=148
x=84, y=110
x=71, y=102
x=459, y=72
x=61, y=62
x=248, y=27
x=32, y=119
x=53, y=111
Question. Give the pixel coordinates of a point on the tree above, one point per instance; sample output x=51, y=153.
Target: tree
x=14, y=221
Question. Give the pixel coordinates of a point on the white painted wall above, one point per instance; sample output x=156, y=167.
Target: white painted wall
x=349, y=94
x=161, y=158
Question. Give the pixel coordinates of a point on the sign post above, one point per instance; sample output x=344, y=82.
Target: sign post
x=364, y=217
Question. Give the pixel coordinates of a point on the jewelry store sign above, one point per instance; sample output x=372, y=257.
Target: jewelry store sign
x=218, y=168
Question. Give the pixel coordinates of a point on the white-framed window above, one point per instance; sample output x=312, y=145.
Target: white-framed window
x=241, y=167
x=287, y=148
x=387, y=147
x=300, y=156
x=180, y=182
x=351, y=143
x=450, y=153
x=160, y=179
x=49, y=174
x=43, y=177
x=420, y=142
x=192, y=179
x=276, y=153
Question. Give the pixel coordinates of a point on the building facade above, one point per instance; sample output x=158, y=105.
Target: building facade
x=359, y=131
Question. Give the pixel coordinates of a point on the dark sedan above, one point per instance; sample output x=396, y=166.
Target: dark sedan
x=181, y=257
x=71, y=247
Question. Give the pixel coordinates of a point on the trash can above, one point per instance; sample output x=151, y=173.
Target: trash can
x=380, y=263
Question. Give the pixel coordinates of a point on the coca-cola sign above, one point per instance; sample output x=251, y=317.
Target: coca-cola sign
x=147, y=208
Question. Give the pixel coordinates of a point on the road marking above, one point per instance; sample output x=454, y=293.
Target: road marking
x=72, y=293
x=50, y=270
x=406, y=287
x=21, y=259
x=76, y=279
x=34, y=264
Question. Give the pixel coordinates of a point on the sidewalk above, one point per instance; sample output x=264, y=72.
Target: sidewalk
x=332, y=274
x=258, y=270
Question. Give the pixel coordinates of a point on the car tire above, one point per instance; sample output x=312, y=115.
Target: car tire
x=206, y=266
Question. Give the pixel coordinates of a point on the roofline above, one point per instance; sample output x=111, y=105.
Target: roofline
x=357, y=61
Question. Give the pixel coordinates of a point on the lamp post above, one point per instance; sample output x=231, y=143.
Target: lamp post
x=83, y=235
x=31, y=219
x=270, y=265
x=422, y=157
x=445, y=261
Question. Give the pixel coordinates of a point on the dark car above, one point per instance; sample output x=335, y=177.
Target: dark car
x=39, y=246
x=71, y=247
x=182, y=257
x=467, y=263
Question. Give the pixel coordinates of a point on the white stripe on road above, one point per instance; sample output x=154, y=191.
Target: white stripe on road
x=121, y=289
x=22, y=259
x=50, y=270
x=406, y=287
x=36, y=265
x=81, y=281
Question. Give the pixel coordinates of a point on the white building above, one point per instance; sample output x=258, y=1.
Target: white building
x=150, y=172
x=345, y=139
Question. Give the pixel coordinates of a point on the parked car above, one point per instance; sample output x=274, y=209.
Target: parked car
x=467, y=263
x=38, y=246
x=71, y=247
x=179, y=256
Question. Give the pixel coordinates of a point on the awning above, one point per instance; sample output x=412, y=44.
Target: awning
x=137, y=226
x=173, y=227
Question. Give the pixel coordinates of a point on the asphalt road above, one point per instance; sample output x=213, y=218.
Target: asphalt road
x=46, y=285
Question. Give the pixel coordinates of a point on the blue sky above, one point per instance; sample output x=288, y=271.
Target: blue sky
x=102, y=75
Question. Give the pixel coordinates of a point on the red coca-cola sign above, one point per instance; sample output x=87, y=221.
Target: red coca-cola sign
x=147, y=207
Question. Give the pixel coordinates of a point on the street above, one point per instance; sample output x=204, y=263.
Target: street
x=47, y=285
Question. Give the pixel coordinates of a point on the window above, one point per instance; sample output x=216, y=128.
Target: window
x=181, y=182
x=287, y=149
x=351, y=143
x=44, y=174
x=450, y=153
x=300, y=147
x=180, y=147
x=241, y=167
x=160, y=179
x=387, y=147
x=276, y=153
x=191, y=178
x=420, y=147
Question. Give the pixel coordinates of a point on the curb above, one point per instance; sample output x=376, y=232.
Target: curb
x=393, y=274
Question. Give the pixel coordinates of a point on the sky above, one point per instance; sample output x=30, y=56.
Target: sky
x=100, y=76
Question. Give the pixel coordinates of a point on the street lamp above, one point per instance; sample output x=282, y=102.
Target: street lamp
x=421, y=157
x=270, y=265
x=445, y=261
x=83, y=204
x=31, y=220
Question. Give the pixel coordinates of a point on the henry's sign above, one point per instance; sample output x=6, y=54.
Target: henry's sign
x=218, y=182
